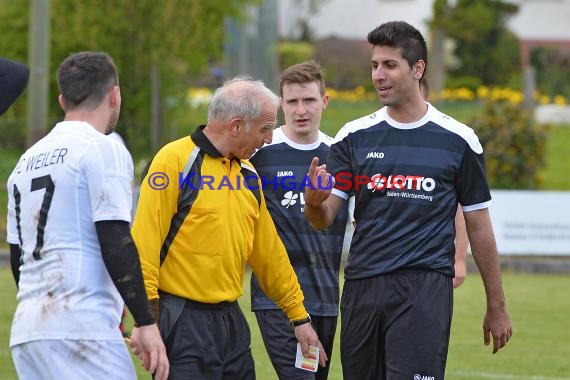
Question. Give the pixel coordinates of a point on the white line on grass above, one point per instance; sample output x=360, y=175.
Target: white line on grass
x=503, y=376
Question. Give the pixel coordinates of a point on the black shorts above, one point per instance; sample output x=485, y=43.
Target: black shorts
x=205, y=341
x=396, y=326
x=281, y=343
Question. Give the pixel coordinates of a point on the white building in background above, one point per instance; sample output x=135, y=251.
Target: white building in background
x=541, y=23
x=538, y=22
x=351, y=19
x=541, y=19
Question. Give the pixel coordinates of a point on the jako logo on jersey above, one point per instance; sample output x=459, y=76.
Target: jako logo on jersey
x=290, y=198
x=400, y=182
x=375, y=155
x=420, y=377
x=284, y=173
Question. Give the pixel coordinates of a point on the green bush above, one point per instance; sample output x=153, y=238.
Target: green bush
x=13, y=133
x=552, y=67
x=514, y=145
x=291, y=53
x=472, y=83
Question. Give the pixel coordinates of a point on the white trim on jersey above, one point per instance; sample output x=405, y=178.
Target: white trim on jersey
x=280, y=137
x=248, y=166
x=432, y=114
x=478, y=206
x=339, y=193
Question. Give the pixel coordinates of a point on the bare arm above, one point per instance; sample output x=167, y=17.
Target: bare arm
x=497, y=323
x=320, y=207
x=461, y=245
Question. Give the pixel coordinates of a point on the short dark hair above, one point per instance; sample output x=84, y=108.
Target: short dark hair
x=302, y=73
x=400, y=34
x=85, y=78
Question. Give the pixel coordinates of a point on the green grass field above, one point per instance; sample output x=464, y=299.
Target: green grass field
x=538, y=304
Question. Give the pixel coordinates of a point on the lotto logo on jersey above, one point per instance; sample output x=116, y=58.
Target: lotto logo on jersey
x=400, y=182
x=378, y=182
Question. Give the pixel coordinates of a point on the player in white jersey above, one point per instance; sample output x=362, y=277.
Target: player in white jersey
x=72, y=255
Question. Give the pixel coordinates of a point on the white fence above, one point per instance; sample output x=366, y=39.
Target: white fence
x=531, y=222
x=526, y=222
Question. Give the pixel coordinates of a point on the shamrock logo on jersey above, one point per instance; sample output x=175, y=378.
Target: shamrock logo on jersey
x=289, y=199
x=376, y=183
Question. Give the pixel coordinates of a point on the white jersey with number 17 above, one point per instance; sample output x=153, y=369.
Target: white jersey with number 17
x=70, y=179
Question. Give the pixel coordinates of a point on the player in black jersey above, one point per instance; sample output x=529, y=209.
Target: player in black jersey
x=408, y=166
x=315, y=255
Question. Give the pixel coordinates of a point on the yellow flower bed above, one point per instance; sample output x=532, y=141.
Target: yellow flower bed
x=201, y=96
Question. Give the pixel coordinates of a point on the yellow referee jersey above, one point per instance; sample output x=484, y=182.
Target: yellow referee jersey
x=200, y=218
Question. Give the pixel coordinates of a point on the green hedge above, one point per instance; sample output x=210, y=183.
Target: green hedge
x=514, y=145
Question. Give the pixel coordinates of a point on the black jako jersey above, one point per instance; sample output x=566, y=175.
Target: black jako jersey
x=407, y=180
x=315, y=255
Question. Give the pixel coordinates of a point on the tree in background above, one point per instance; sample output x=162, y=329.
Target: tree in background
x=158, y=46
x=437, y=39
x=486, y=51
x=13, y=45
x=552, y=70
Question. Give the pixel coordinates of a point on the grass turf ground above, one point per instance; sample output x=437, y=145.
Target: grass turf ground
x=538, y=304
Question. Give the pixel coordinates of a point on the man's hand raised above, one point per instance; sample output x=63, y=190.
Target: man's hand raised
x=321, y=184
x=320, y=207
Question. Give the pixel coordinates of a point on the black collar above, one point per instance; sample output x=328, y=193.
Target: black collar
x=204, y=143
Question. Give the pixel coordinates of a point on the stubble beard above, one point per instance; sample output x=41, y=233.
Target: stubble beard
x=112, y=124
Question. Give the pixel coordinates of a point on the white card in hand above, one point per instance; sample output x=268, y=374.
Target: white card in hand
x=310, y=363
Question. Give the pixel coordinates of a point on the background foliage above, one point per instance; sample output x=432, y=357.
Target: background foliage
x=552, y=68
x=484, y=47
x=178, y=38
x=181, y=39
x=514, y=144
x=293, y=52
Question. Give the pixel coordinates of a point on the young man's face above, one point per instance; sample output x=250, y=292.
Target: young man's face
x=395, y=82
x=302, y=106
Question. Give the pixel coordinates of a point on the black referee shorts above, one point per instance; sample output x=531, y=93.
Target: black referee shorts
x=396, y=326
x=281, y=343
x=205, y=341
